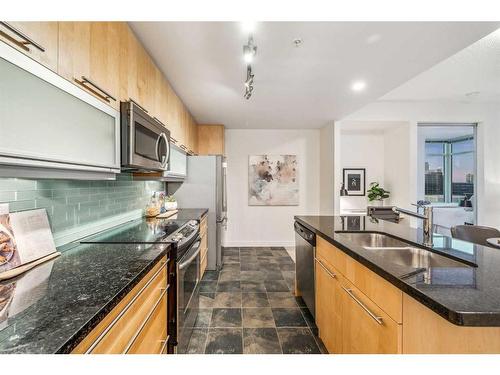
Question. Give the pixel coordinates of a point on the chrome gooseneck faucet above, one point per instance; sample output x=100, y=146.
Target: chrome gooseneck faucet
x=427, y=218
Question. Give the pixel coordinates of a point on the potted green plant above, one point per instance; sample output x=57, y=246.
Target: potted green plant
x=376, y=193
x=170, y=203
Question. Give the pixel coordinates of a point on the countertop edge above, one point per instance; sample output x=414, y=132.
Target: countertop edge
x=463, y=319
x=79, y=335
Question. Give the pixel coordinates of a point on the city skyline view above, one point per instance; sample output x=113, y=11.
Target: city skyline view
x=461, y=160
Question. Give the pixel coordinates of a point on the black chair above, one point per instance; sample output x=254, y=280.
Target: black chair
x=474, y=233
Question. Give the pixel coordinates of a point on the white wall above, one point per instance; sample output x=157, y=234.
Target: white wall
x=397, y=164
x=326, y=177
x=381, y=147
x=269, y=225
x=361, y=149
x=487, y=115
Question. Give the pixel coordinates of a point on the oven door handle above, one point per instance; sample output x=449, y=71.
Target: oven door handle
x=192, y=257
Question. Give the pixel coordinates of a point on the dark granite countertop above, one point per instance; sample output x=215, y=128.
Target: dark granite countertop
x=468, y=296
x=191, y=213
x=51, y=308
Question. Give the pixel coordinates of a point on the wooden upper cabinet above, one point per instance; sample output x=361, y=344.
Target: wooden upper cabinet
x=175, y=122
x=89, y=55
x=107, y=60
x=211, y=139
x=191, y=133
x=36, y=39
x=194, y=135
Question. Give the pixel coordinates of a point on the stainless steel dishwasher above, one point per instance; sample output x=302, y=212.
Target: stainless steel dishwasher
x=305, y=248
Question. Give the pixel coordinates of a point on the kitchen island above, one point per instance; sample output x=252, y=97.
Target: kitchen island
x=448, y=305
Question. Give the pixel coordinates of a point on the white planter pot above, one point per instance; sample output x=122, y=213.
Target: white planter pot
x=170, y=206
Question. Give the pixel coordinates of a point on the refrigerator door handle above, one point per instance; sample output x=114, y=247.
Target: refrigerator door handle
x=224, y=186
x=221, y=220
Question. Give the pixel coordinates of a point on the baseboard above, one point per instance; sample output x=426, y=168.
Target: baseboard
x=258, y=244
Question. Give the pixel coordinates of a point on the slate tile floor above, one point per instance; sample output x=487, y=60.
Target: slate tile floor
x=249, y=307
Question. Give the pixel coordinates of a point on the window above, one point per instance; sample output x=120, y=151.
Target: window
x=449, y=169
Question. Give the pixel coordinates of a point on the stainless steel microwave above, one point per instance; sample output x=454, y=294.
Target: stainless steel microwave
x=145, y=142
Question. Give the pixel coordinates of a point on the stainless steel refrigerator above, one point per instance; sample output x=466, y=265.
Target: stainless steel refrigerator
x=205, y=187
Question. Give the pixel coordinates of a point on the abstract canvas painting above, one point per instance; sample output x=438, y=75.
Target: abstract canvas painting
x=273, y=180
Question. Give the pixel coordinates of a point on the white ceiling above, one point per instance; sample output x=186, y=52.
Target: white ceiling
x=475, y=69
x=303, y=87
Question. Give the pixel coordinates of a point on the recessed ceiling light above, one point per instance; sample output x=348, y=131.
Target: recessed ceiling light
x=472, y=93
x=374, y=38
x=248, y=26
x=358, y=86
x=297, y=42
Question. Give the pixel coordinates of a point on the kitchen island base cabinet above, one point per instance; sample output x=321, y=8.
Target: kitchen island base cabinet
x=328, y=304
x=366, y=328
x=359, y=312
x=138, y=323
x=347, y=320
x=425, y=332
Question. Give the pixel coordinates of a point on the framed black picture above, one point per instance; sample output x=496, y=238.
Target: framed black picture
x=354, y=181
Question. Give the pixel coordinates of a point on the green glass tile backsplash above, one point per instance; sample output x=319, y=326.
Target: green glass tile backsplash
x=71, y=203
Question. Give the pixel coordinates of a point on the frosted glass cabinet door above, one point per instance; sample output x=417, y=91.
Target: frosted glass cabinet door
x=178, y=162
x=44, y=117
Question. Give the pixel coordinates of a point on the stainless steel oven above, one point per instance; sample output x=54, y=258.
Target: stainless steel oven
x=188, y=300
x=145, y=141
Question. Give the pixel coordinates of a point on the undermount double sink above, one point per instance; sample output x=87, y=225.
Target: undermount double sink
x=400, y=252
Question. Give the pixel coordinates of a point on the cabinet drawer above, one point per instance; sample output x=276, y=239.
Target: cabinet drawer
x=115, y=332
x=380, y=291
x=366, y=328
x=152, y=336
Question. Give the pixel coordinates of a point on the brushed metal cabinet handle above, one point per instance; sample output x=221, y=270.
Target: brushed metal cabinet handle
x=103, y=94
x=332, y=275
x=378, y=319
x=26, y=38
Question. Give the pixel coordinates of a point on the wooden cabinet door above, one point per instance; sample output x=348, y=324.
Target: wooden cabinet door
x=191, y=136
x=44, y=34
x=328, y=307
x=91, y=50
x=211, y=140
x=366, y=329
x=178, y=116
x=194, y=134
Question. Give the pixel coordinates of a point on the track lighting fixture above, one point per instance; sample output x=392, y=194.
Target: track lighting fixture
x=249, y=51
x=249, y=83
